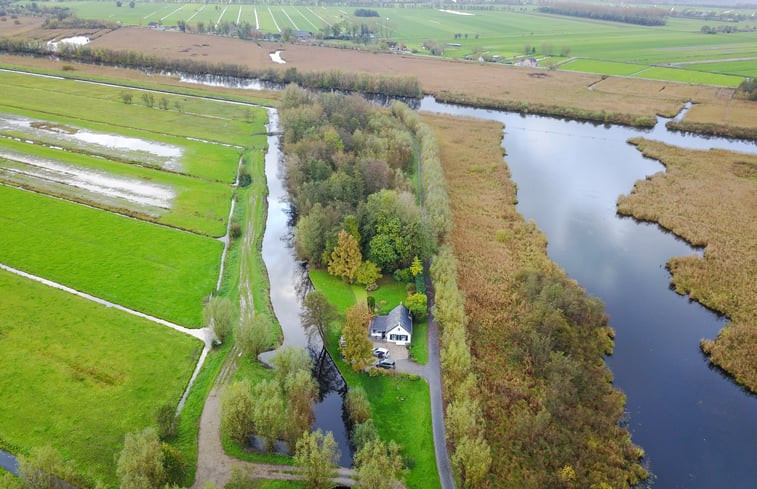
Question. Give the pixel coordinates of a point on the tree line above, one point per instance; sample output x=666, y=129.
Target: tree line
x=649, y=16
x=398, y=86
x=471, y=455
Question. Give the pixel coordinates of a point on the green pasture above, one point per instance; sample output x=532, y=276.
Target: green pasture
x=741, y=68
x=150, y=268
x=78, y=376
x=688, y=76
x=602, y=67
x=199, y=206
x=506, y=33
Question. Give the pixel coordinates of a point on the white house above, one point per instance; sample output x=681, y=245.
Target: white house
x=396, y=327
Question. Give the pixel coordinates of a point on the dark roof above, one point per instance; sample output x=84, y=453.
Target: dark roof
x=399, y=315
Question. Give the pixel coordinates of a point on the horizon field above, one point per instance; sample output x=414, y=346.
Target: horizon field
x=502, y=33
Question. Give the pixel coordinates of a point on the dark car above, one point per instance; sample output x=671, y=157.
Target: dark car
x=385, y=364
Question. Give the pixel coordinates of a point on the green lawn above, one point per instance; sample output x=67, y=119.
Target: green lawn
x=741, y=68
x=157, y=270
x=78, y=375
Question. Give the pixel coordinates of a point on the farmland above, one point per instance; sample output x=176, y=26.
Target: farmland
x=77, y=375
x=509, y=34
x=120, y=198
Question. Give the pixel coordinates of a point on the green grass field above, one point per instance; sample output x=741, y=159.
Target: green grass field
x=743, y=68
x=498, y=32
x=157, y=270
x=602, y=67
x=688, y=76
x=78, y=376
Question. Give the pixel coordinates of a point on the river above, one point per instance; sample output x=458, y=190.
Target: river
x=289, y=283
x=698, y=429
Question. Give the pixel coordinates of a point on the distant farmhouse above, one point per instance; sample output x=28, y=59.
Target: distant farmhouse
x=396, y=327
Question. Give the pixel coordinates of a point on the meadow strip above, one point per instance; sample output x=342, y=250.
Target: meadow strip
x=709, y=199
x=149, y=268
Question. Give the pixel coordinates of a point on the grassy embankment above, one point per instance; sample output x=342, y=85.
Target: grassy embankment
x=392, y=397
x=551, y=415
x=77, y=376
x=708, y=198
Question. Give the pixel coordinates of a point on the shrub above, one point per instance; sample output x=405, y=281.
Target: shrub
x=358, y=406
x=166, y=421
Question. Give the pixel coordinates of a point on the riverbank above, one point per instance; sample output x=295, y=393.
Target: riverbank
x=536, y=443
x=708, y=199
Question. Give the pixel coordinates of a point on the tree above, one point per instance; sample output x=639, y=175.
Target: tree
x=167, y=421
x=140, y=464
x=237, y=411
x=40, y=469
x=357, y=348
x=367, y=273
x=317, y=455
x=318, y=312
x=254, y=334
x=267, y=409
x=346, y=257
x=417, y=304
x=461, y=420
x=379, y=466
x=472, y=459
x=288, y=361
x=358, y=406
x=148, y=99
x=416, y=267
x=364, y=433
x=301, y=390
x=218, y=314
x=126, y=97
x=242, y=478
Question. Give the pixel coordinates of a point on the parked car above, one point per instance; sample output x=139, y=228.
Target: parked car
x=380, y=352
x=342, y=341
x=385, y=363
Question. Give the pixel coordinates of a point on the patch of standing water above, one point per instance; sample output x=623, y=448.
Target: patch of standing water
x=276, y=57
x=698, y=428
x=98, y=183
x=72, y=41
x=8, y=462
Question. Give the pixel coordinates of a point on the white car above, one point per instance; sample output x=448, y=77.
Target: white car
x=380, y=352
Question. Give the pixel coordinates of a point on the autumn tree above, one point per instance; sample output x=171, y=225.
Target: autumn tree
x=367, y=273
x=417, y=305
x=416, y=267
x=379, y=465
x=237, y=411
x=317, y=454
x=289, y=360
x=140, y=464
x=357, y=347
x=346, y=257
x=318, y=312
x=472, y=459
